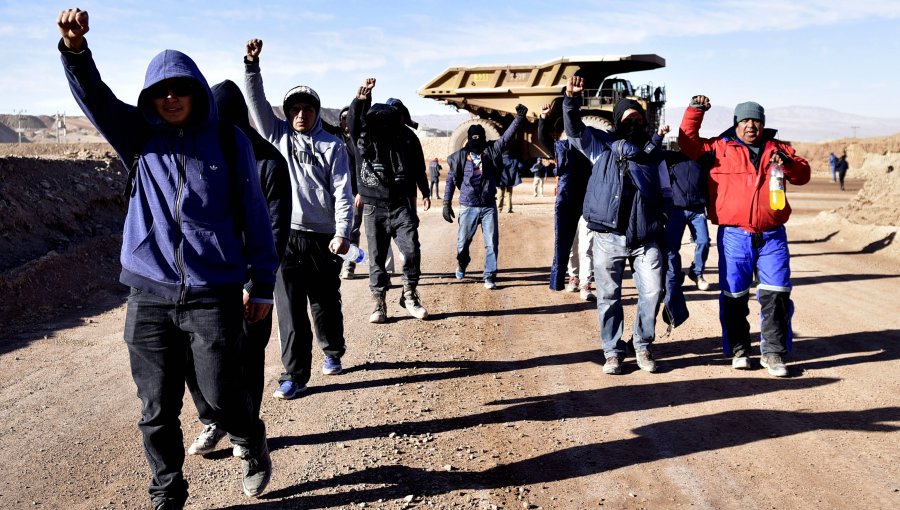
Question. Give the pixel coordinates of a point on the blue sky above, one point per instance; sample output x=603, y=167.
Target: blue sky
x=832, y=54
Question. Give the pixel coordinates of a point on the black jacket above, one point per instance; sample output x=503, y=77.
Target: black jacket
x=689, y=179
x=271, y=165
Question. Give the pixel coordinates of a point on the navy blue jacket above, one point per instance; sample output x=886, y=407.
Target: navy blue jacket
x=510, y=177
x=572, y=167
x=180, y=240
x=622, y=173
x=689, y=179
x=484, y=193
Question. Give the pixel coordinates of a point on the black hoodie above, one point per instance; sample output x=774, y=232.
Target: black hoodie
x=272, y=168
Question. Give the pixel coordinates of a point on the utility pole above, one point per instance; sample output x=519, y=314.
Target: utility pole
x=19, y=123
x=854, y=128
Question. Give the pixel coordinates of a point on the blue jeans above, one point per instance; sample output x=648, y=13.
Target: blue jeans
x=610, y=254
x=469, y=219
x=159, y=335
x=696, y=222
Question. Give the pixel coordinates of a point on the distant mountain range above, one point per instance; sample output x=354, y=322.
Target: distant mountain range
x=797, y=123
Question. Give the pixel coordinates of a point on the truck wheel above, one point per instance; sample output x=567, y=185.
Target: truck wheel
x=460, y=135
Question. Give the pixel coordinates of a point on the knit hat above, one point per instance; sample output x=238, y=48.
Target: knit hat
x=623, y=106
x=301, y=94
x=749, y=110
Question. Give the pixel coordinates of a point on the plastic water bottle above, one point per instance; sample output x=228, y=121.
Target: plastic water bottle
x=776, y=187
x=356, y=255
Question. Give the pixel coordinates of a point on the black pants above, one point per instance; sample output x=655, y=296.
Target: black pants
x=253, y=362
x=309, y=273
x=354, y=236
x=402, y=224
x=159, y=334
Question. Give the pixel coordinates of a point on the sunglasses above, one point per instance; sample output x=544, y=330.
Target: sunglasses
x=180, y=88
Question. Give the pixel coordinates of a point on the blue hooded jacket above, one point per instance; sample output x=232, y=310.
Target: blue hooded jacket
x=181, y=239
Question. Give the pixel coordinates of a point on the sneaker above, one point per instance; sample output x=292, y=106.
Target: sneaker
x=379, y=314
x=612, y=366
x=410, y=301
x=645, y=361
x=207, y=440
x=332, y=365
x=489, y=284
x=774, y=364
x=702, y=284
x=239, y=451
x=573, y=285
x=257, y=471
x=740, y=363
x=346, y=274
x=460, y=273
x=288, y=390
x=586, y=293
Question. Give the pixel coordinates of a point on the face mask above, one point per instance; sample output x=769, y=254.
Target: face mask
x=476, y=146
x=633, y=132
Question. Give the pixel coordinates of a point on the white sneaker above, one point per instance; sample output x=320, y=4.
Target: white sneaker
x=701, y=283
x=239, y=451
x=489, y=284
x=740, y=363
x=207, y=440
x=410, y=301
x=586, y=293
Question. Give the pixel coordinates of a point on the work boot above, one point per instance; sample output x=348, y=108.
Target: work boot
x=257, y=471
x=612, y=366
x=645, y=360
x=774, y=364
x=410, y=301
x=379, y=315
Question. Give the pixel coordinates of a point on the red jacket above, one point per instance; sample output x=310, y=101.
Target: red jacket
x=738, y=194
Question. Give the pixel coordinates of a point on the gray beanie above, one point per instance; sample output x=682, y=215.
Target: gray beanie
x=749, y=110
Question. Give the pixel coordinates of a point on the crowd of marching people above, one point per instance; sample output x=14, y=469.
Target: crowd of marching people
x=225, y=222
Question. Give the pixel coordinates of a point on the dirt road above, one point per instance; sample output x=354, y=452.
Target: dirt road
x=498, y=401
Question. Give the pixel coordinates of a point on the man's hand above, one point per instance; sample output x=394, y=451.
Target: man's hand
x=365, y=91
x=663, y=130
x=254, y=312
x=521, y=110
x=545, y=110
x=777, y=158
x=73, y=24
x=448, y=213
x=575, y=86
x=426, y=203
x=700, y=102
x=357, y=201
x=339, y=245
x=254, y=48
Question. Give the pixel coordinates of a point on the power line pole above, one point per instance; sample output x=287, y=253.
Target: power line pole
x=854, y=128
x=19, y=123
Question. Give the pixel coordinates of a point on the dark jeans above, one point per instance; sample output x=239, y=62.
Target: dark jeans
x=309, y=273
x=354, y=236
x=402, y=224
x=159, y=335
x=435, y=189
x=568, y=211
x=253, y=360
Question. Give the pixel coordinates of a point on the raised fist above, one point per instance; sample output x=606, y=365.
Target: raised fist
x=73, y=24
x=254, y=48
x=575, y=86
x=700, y=103
x=521, y=110
x=545, y=111
x=663, y=130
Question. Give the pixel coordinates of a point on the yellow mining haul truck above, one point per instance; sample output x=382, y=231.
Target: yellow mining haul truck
x=491, y=93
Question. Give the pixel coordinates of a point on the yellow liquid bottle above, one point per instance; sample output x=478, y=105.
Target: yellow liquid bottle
x=777, y=199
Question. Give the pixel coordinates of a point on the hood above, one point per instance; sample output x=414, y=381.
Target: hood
x=624, y=105
x=383, y=121
x=231, y=105
x=396, y=103
x=175, y=64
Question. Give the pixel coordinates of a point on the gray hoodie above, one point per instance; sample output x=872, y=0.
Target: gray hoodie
x=320, y=173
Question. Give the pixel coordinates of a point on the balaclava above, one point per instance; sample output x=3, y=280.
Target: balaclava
x=476, y=145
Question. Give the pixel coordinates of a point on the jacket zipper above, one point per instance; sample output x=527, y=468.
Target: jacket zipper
x=179, y=248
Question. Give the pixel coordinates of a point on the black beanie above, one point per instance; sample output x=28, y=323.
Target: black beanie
x=624, y=105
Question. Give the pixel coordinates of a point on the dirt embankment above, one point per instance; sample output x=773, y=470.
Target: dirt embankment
x=61, y=222
x=867, y=157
